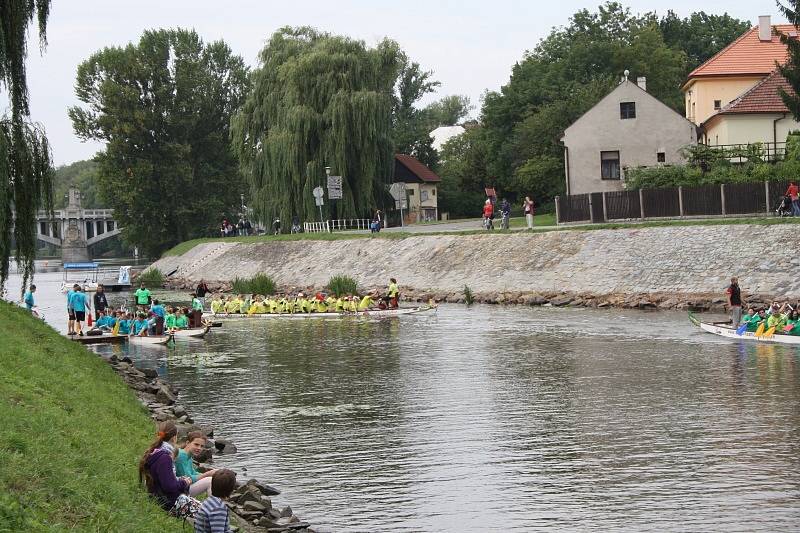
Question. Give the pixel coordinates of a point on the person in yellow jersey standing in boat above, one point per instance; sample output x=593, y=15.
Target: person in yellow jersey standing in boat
x=392, y=297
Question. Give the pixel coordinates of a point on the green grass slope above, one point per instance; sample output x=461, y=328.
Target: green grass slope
x=71, y=434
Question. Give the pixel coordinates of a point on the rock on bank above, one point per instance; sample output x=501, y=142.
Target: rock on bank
x=681, y=260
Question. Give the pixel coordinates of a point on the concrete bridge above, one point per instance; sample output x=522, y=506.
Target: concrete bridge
x=74, y=229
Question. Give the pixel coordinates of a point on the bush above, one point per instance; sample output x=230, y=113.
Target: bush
x=258, y=284
x=152, y=277
x=469, y=298
x=342, y=285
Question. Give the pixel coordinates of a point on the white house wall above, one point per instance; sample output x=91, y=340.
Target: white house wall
x=750, y=128
x=656, y=128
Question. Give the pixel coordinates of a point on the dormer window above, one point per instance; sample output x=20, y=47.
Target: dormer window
x=717, y=105
x=627, y=110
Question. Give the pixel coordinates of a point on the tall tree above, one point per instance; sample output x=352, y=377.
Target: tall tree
x=410, y=125
x=449, y=110
x=318, y=100
x=25, y=159
x=791, y=69
x=163, y=106
x=700, y=35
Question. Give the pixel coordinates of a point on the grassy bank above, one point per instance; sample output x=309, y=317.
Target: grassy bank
x=72, y=434
x=516, y=223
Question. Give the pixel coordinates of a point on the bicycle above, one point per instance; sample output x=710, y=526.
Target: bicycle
x=504, y=221
x=487, y=223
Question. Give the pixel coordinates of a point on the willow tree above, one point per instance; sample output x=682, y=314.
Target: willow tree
x=25, y=161
x=317, y=100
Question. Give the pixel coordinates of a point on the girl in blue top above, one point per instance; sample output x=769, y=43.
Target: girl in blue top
x=139, y=326
x=125, y=324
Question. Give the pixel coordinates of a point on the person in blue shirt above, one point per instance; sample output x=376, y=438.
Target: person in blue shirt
x=125, y=322
x=71, y=311
x=28, y=298
x=79, y=305
x=139, y=326
x=159, y=312
x=106, y=321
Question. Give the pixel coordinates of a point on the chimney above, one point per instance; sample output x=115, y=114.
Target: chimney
x=764, y=28
x=641, y=81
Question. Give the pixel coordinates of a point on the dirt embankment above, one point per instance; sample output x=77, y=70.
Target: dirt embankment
x=668, y=267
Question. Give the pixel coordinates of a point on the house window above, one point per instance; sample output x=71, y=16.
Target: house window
x=411, y=192
x=661, y=157
x=433, y=191
x=609, y=165
x=717, y=105
x=627, y=110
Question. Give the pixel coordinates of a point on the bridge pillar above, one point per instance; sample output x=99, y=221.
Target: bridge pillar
x=74, y=248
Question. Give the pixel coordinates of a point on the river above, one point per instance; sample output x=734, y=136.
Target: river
x=497, y=418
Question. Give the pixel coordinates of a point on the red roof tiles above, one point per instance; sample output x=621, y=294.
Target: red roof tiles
x=765, y=97
x=747, y=55
x=417, y=168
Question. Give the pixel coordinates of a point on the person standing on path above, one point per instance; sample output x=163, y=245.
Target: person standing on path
x=794, y=194
x=71, y=311
x=735, y=302
x=100, y=302
x=527, y=207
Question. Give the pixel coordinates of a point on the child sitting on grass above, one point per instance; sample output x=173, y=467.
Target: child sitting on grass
x=212, y=517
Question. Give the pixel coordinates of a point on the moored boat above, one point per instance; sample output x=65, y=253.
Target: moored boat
x=105, y=338
x=376, y=313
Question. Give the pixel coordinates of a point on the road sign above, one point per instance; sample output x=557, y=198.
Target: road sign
x=318, y=192
x=398, y=191
x=401, y=204
x=319, y=201
x=334, y=182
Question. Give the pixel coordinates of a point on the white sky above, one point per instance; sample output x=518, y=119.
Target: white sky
x=471, y=45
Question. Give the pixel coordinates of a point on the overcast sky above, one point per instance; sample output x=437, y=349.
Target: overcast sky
x=471, y=45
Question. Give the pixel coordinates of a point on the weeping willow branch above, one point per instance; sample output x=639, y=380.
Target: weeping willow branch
x=26, y=181
x=318, y=100
x=25, y=160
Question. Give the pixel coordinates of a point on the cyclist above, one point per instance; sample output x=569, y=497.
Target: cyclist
x=488, y=214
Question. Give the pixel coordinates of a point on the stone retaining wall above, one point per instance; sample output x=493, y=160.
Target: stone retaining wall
x=662, y=264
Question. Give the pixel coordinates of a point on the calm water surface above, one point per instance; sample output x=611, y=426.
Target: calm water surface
x=502, y=419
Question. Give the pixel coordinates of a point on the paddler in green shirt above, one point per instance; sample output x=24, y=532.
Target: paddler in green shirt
x=755, y=320
x=169, y=319
x=181, y=321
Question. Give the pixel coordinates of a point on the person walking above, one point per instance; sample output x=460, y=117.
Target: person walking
x=527, y=208
x=505, y=210
x=488, y=214
x=100, y=302
x=794, y=194
x=80, y=305
x=735, y=302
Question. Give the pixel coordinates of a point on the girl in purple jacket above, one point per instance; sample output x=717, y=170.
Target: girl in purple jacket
x=157, y=468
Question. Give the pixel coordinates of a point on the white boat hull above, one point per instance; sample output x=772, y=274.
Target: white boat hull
x=150, y=339
x=195, y=333
x=86, y=287
x=730, y=333
x=367, y=314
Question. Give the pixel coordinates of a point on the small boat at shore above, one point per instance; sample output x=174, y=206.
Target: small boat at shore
x=105, y=338
x=725, y=329
x=375, y=313
x=192, y=333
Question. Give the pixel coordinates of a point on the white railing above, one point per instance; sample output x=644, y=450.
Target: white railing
x=350, y=223
x=317, y=227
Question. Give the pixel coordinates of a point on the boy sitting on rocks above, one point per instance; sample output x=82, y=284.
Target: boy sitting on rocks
x=212, y=517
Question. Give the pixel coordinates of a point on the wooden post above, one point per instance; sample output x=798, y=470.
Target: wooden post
x=558, y=216
x=766, y=196
x=641, y=203
x=605, y=215
x=722, y=197
x=591, y=209
x=680, y=201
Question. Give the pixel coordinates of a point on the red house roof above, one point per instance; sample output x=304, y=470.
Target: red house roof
x=747, y=55
x=416, y=168
x=765, y=97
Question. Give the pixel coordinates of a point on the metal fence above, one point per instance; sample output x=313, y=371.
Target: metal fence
x=760, y=198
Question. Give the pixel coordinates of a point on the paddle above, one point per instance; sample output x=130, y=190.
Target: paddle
x=769, y=332
x=789, y=327
x=759, y=330
x=741, y=329
x=693, y=319
x=115, y=331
